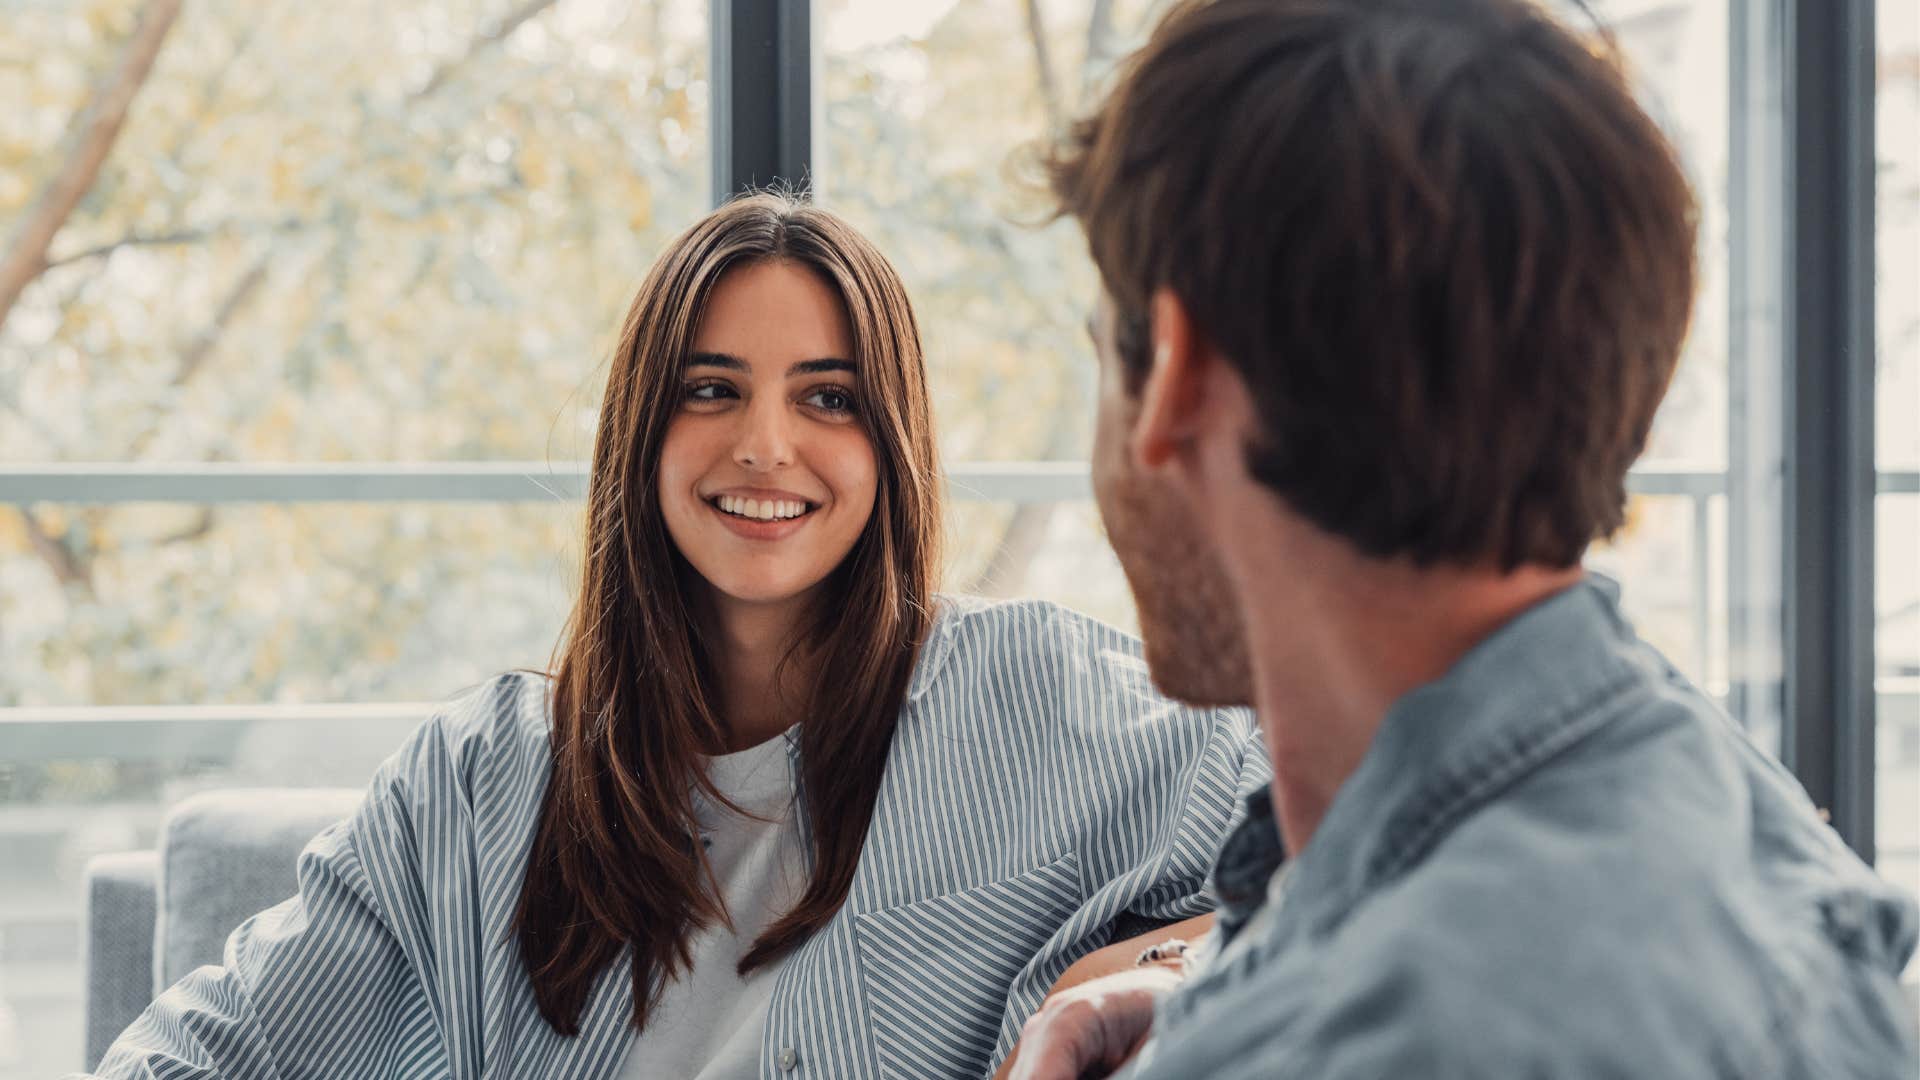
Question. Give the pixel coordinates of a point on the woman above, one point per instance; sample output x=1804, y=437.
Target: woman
x=779, y=810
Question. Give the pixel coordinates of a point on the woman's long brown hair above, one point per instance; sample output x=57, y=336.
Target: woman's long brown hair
x=615, y=860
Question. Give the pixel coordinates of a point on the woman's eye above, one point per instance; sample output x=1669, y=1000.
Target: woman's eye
x=836, y=401
x=709, y=392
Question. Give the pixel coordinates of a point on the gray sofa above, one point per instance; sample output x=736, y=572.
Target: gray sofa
x=153, y=916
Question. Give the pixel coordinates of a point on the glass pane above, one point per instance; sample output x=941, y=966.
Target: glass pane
x=1665, y=560
x=1051, y=551
x=1897, y=570
x=926, y=103
x=309, y=603
x=1897, y=123
x=1897, y=737
x=371, y=229
x=1677, y=55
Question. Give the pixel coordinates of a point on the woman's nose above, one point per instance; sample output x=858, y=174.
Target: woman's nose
x=765, y=441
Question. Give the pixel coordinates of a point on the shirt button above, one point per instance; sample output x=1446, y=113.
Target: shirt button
x=788, y=1059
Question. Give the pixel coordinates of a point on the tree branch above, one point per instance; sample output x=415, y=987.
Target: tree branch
x=506, y=26
x=194, y=355
x=215, y=83
x=202, y=525
x=179, y=236
x=1043, y=66
x=1099, y=44
x=197, y=350
x=98, y=126
x=67, y=568
x=1006, y=569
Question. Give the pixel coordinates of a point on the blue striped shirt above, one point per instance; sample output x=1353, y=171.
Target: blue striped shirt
x=1040, y=800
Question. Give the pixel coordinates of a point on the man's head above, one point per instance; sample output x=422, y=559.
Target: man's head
x=1444, y=258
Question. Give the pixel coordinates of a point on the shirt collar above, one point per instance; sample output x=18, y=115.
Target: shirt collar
x=1251, y=856
x=939, y=643
x=1532, y=686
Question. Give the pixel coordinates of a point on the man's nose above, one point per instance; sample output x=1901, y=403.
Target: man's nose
x=765, y=439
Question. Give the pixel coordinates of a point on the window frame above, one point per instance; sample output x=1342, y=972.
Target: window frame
x=1826, y=54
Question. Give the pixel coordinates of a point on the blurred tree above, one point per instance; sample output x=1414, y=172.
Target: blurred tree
x=955, y=114
x=374, y=231
x=350, y=231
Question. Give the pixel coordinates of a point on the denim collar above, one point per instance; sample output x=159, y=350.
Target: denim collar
x=1546, y=680
x=1251, y=855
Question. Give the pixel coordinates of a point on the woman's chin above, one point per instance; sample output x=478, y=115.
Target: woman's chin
x=763, y=593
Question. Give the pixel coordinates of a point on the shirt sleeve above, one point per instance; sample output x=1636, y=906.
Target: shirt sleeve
x=1235, y=766
x=324, y=984
x=1167, y=865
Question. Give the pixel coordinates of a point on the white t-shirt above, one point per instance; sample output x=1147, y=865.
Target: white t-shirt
x=708, y=1024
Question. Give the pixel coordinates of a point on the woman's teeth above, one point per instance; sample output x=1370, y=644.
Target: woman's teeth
x=761, y=509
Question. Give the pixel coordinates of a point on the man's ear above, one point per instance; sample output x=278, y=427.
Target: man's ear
x=1173, y=393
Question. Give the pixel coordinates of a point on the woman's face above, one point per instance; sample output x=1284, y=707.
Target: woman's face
x=767, y=477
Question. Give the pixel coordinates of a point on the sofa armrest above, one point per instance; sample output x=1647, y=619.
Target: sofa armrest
x=226, y=856
x=117, y=949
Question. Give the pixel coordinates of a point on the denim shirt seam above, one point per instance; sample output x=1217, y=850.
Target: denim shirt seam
x=1782, y=1020
x=1574, y=720
x=1497, y=768
x=1411, y=834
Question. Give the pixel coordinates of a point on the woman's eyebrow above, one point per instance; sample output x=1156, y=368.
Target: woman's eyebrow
x=729, y=362
x=816, y=367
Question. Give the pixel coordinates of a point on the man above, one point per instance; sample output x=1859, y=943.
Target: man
x=1393, y=291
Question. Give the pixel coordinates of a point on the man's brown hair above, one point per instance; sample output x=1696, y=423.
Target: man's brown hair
x=1449, y=255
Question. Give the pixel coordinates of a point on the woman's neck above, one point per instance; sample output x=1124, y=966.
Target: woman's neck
x=759, y=698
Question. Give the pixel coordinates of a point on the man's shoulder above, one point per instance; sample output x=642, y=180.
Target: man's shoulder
x=1440, y=1010
x=1654, y=903
x=1665, y=896
x=1456, y=1003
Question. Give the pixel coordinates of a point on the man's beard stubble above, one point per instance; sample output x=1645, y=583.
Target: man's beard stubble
x=1196, y=650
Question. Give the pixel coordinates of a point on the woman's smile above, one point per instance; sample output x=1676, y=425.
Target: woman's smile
x=760, y=514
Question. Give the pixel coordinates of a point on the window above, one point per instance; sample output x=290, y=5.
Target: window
x=1673, y=558
x=1897, y=397
x=928, y=109
x=367, y=232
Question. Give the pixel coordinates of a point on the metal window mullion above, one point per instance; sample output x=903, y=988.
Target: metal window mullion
x=1757, y=197
x=762, y=94
x=1830, y=467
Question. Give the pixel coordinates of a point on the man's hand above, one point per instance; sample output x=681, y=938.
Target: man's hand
x=1092, y=1029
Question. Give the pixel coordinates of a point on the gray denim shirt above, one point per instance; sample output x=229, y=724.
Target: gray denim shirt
x=1560, y=859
